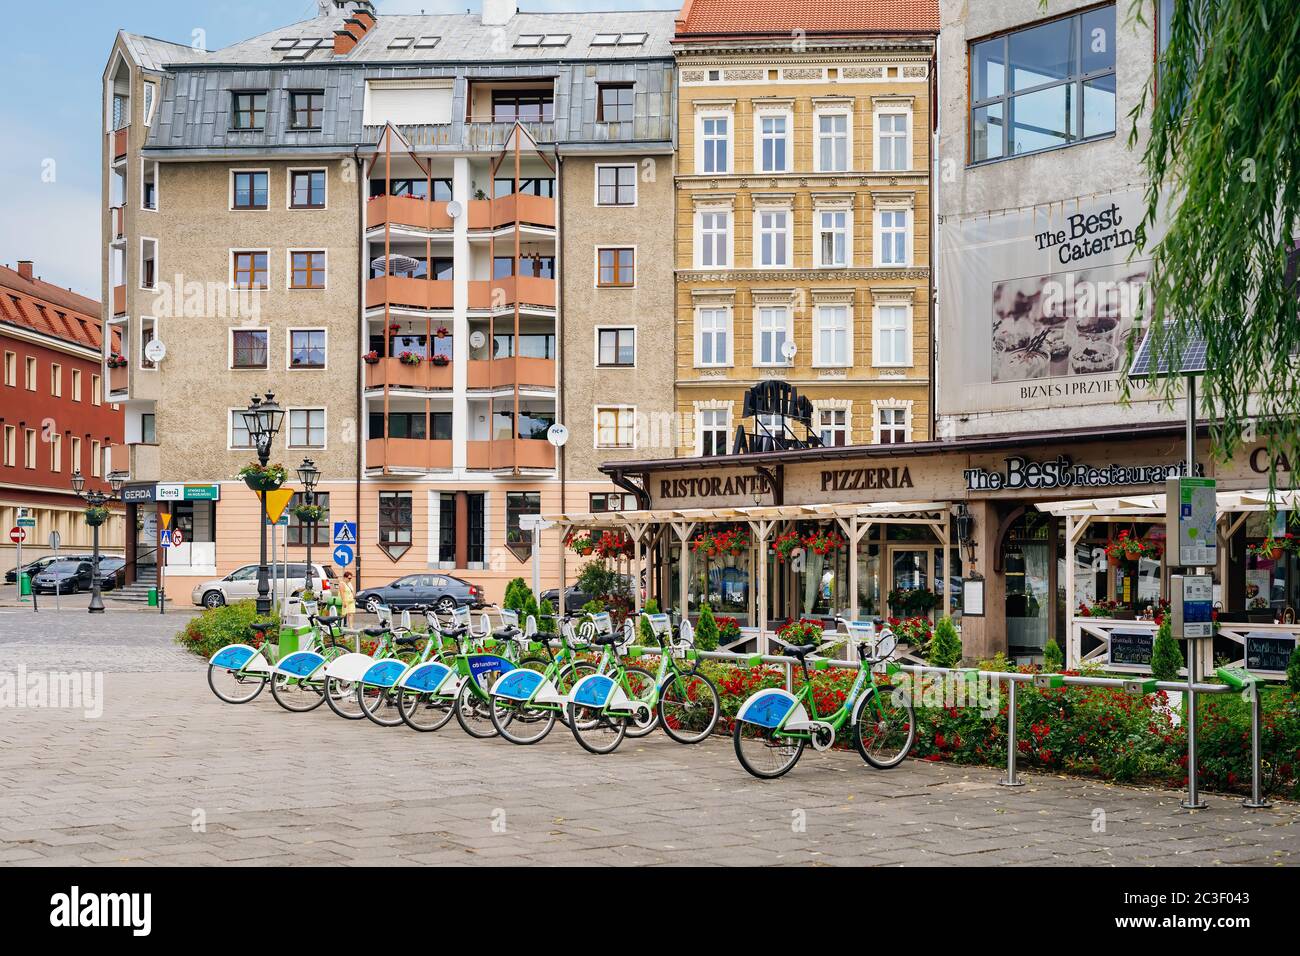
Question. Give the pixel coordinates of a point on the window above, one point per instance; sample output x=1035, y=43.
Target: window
x=616, y=347
x=248, y=348
x=891, y=426
x=319, y=532
x=250, y=270
x=96, y=459
x=74, y=453
x=149, y=173
x=29, y=448
x=1043, y=87
x=832, y=142
x=307, y=189
x=831, y=345
x=615, y=102
x=773, y=143
x=770, y=335
x=615, y=427
x=395, y=523
x=11, y=446
x=29, y=369
x=833, y=237
x=713, y=344
x=96, y=392
x=239, y=437
x=714, y=239
x=306, y=348
x=892, y=240
x=11, y=369
x=524, y=106
x=773, y=227
x=56, y=380
x=248, y=111
x=615, y=185
x=76, y=384
x=716, y=143
x=305, y=109
x=148, y=264
x=599, y=502
x=892, y=335
x=150, y=98
x=149, y=428
x=251, y=189
x=712, y=424
x=306, y=428
x=891, y=142
x=56, y=452
x=307, y=270
x=518, y=504
x=833, y=426
x=106, y=461
x=146, y=336
x=617, y=268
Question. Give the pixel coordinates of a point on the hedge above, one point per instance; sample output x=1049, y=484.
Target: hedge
x=213, y=629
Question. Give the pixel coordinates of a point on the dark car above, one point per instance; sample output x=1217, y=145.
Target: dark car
x=40, y=564
x=440, y=591
x=110, y=570
x=575, y=599
x=64, y=577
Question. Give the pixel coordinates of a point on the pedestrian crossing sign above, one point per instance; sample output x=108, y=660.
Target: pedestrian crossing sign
x=345, y=532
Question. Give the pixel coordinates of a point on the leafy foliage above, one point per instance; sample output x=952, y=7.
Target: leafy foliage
x=706, y=630
x=1053, y=659
x=599, y=581
x=945, y=649
x=1166, y=658
x=206, y=633
x=1293, y=670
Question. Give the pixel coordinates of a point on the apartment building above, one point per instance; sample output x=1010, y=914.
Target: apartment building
x=803, y=212
x=370, y=217
x=54, y=420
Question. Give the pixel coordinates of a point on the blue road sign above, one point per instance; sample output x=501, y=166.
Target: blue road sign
x=165, y=538
x=345, y=532
x=343, y=555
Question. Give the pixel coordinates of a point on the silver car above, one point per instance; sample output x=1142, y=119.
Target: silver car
x=241, y=583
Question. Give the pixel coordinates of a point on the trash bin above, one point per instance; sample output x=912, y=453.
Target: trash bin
x=153, y=597
x=24, y=584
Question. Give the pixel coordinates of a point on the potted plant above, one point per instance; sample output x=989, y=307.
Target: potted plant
x=823, y=541
x=442, y=332
x=394, y=328
x=802, y=631
x=371, y=357
x=260, y=477
x=309, y=514
x=410, y=358
x=786, y=545
x=728, y=630
x=915, y=632
x=580, y=541
x=115, y=360
x=441, y=361
x=96, y=515
x=612, y=544
x=1269, y=548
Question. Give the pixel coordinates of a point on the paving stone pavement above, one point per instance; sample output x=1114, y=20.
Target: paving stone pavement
x=170, y=775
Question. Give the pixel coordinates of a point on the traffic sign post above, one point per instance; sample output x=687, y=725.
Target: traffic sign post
x=345, y=532
x=343, y=555
x=18, y=535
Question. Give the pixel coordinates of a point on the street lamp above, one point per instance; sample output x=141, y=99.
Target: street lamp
x=96, y=499
x=262, y=418
x=309, y=474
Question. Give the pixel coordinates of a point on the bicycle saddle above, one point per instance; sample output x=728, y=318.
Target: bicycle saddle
x=374, y=631
x=604, y=639
x=409, y=639
x=800, y=651
x=506, y=633
x=328, y=621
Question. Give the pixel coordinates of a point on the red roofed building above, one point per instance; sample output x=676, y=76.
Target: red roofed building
x=731, y=18
x=54, y=419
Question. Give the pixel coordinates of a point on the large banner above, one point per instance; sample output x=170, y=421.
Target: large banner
x=1036, y=307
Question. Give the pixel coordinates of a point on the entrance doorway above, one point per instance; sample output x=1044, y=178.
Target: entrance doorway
x=1028, y=553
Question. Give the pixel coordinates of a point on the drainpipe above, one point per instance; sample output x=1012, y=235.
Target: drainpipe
x=934, y=215
x=362, y=190
x=559, y=318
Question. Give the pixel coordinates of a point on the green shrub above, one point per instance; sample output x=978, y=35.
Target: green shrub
x=1166, y=658
x=1053, y=659
x=208, y=632
x=516, y=596
x=599, y=581
x=945, y=649
x=644, y=630
x=706, y=630
x=546, y=619
x=1293, y=670
x=594, y=606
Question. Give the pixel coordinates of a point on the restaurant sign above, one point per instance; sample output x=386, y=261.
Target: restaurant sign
x=715, y=486
x=1062, y=472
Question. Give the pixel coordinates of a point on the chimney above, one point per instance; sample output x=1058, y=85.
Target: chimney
x=355, y=27
x=498, y=12
x=25, y=269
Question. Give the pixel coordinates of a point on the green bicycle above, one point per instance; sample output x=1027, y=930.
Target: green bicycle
x=615, y=702
x=528, y=699
x=298, y=679
x=345, y=675
x=774, y=726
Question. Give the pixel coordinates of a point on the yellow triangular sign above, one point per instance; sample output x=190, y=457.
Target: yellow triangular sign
x=166, y=519
x=276, y=501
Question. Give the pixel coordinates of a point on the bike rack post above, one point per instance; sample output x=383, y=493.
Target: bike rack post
x=1256, y=801
x=1193, y=800
x=1011, y=780
x=789, y=677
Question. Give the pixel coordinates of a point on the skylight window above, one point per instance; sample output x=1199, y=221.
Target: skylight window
x=286, y=43
x=619, y=39
x=555, y=39
x=401, y=43
x=426, y=43
x=632, y=39
x=529, y=39
x=605, y=39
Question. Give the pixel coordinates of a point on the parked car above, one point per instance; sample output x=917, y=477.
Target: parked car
x=64, y=577
x=40, y=564
x=575, y=599
x=440, y=591
x=241, y=583
x=110, y=568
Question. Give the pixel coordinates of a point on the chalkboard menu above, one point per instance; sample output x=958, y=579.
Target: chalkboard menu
x=1268, y=652
x=1131, y=647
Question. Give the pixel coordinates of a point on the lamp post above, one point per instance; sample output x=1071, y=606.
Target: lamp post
x=309, y=474
x=96, y=499
x=262, y=418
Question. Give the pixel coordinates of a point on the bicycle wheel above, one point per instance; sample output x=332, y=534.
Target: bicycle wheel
x=516, y=721
x=423, y=712
x=341, y=695
x=565, y=680
x=379, y=704
x=473, y=709
x=641, y=686
x=596, y=731
x=884, y=728
x=688, y=707
x=763, y=753
x=234, y=687
x=297, y=694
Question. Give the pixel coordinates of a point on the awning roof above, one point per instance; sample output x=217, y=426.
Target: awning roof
x=1126, y=505
x=918, y=510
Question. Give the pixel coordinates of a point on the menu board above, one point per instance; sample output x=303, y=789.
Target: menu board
x=1131, y=647
x=1268, y=652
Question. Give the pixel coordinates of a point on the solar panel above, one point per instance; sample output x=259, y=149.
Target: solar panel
x=1189, y=360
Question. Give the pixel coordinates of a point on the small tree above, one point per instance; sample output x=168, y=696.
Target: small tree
x=706, y=630
x=945, y=649
x=1166, y=658
x=516, y=596
x=546, y=619
x=1293, y=670
x=1053, y=659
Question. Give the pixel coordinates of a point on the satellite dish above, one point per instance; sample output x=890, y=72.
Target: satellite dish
x=557, y=435
x=455, y=209
x=155, y=351
x=477, y=339
x=789, y=350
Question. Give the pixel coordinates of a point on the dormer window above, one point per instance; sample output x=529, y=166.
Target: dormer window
x=248, y=110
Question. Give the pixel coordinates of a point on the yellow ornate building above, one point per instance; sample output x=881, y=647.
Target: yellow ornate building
x=803, y=220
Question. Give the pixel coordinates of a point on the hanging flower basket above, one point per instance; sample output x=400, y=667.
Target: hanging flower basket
x=309, y=513
x=580, y=541
x=1270, y=548
x=1129, y=547
x=264, y=477
x=612, y=544
x=371, y=358
x=394, y=328
x=803, y=631
x=96, y=515
x=442, y=332
x=410, y=358
x=823, y=542
x=731, y=541
x=786, y=545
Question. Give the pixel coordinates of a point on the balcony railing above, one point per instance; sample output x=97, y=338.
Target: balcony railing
x=405, y=291
x=118, y=379
x=119, y=142
x=119, y=221
x=523, y=208
x=407, y=211
x=139, y=461
x=119, y=300
x=398, y=374
x=506, y=372
x=408, y=453
x=500, y=293
x=504, y=454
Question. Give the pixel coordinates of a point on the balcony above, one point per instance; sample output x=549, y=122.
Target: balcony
x=522, y=208
x=407, y=211
x=119, y=300
x=119, y=142
x=397, y=374
x=119, y=221
x=506, y=454
x=408, y=292
x=139, y=461
x=507, y=372
x=521, y=290
x=118, y=379
x=408, y=453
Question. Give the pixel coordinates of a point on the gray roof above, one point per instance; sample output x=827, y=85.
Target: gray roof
x=154, y=54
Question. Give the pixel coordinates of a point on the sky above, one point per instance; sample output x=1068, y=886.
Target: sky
x=52, y=69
